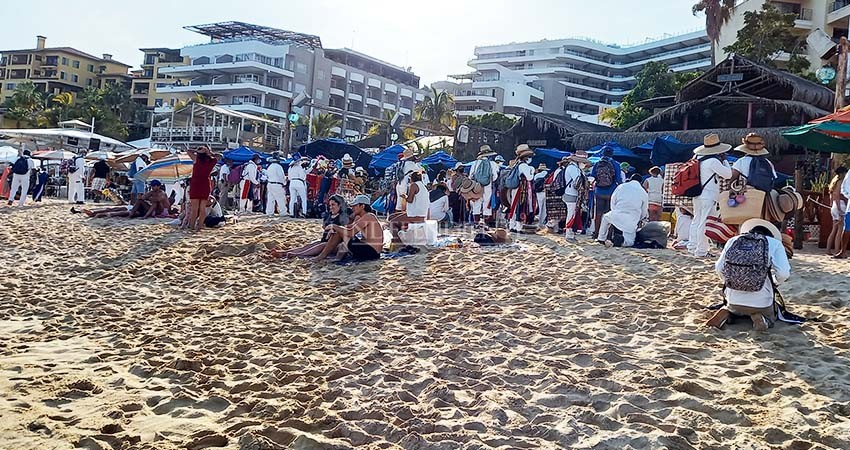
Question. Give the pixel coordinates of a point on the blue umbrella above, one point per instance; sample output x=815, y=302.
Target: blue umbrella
x=242, y=155
x=548, y=156
x=333, y=149
x=384, y=159
x=438, y=161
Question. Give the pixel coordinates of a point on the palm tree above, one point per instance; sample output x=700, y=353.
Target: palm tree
x=26, y=104
x=717, y=14
x=380, y=128
x=198, y=98
x=437, y=112
x=323, y=123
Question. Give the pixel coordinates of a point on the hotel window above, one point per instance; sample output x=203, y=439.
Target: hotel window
x=89, y=82
x=320, y=94
x=321, y=74
x=91, y=68
x=64, y=61
x=61, y=75
x=76, y=64
x=301, y=67
x=75, y=78
x=10, y=86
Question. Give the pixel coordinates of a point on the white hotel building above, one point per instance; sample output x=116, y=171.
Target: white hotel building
x=574, y=77
x=259, y=70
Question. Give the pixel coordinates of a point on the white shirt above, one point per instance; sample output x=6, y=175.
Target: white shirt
x=140, y=164
x=655, y=186
x=494, y=169
x=439, y=208
x=629, y=204
x=80, y=164
x=571, y=177
x=250, y=172
x=297, y=172
x=215, y=211
x=742, y=165
x=275, y=174
x=764, y=297
x=419, y=205
x=526, y=171
x=845, y=187
x=709, y=168
x=223, y=172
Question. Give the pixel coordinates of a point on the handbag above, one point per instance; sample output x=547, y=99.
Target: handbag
x=740, y=203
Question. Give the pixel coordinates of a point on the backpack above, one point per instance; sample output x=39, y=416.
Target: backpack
x=72, y=166
x=559, y=182
x=512, y=178
x=133, y=170
x=235, y=175
x=761, y=174
x=483, y=173
x=21, y=166
x=539, y=184
x=747, y=263
x=686, y=180
x=606, y=174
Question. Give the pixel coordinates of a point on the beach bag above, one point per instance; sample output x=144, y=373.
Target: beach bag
x=606, y=174
x=559, y=183
x=761, y=174
x=539, y=184
x=512, y=178
x=717, y=231
x=686, y=180
x=21, y=166
x=235, y=175
x=483, y=173
x=735, y=212
x=747, y=263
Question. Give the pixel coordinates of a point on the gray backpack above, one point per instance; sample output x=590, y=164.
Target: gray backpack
x=747, y=264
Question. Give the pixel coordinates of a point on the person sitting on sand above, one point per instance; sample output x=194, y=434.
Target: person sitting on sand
x=337, y=214
x=748, y=287
x=362, y=240
x=154, y=203
x=215, y=217
x=629, y=205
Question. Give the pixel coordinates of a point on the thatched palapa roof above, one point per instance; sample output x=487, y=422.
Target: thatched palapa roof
x=773, y=139
x=564, y=125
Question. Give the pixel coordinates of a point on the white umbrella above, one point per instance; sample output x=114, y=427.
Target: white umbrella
x=8, y=154
x=54, y=154
x=101, y=153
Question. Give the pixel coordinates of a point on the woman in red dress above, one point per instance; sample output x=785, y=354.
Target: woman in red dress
x=200, y=186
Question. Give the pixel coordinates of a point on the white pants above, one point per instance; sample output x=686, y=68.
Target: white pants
x=245, y=205
x=514, y=224
x=297, y=188
x=21, y=181
x=570, y=219
x=683, y=225
x=275, y=195
x=541, y=208
x=76, y=190
x=628, y=235
x=697, y=240
x=482, y=205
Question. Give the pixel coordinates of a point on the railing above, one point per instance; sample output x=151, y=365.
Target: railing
x=690, y=63
x=806, y=14
x=836, y=5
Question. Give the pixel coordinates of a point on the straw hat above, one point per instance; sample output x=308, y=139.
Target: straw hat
x=485, y=151
x=524, y=151
x=347, y=161
x=542, y=166
x=750, y=224
x=408, y=153
x=789, y=200
x=457, y=166
x=711, y=145
x=654, y=169
x=771, y=207
x=580, y=156
x=753, y=145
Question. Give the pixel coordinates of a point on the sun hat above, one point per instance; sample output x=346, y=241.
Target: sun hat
x=753, y=145
x=580, y=156
x=485, y=151
x=361, y=199
x=750, y=224
x=772, y=211
x=499, y=158
x=359, y=170
x=789, y=200
x=458, y=166
x=624, y=166
x=711, y=145
x=102, y=158
x=408, y=153
x=524, y=151
x=542, y=166
x=347, y=161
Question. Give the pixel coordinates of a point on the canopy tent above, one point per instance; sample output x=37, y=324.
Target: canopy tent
x=826, y=137
x=437, y=162
x=385, y=158
x=667, y=149
x=621, y=154
x=54, y=154
x=9, y=154
x=64, y=137
x=548, y=156
x=333, y=148
x=241, y=155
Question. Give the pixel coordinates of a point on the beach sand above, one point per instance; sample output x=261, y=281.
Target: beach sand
x=118, y=334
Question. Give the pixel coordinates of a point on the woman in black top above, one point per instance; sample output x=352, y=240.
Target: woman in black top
x=337, y=215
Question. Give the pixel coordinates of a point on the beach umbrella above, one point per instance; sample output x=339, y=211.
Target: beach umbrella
x=437, y=162
x=167, y=170
x=827, y=137
x=385, y=158
x=101, y=153
x=155, y=154
x=333, y=149
x=8, y=154
x=54, y=154
x=241, y=155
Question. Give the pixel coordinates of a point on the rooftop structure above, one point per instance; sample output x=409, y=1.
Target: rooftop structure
x=225, y=31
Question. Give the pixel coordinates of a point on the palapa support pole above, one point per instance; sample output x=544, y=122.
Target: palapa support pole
x=798, y=214
x=841, y=74
x=749, y=115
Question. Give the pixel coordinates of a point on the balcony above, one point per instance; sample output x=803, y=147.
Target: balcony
x=245, y=88
x=404, y=111
x=255, y=109
x=355, y=97
x=406, y=93
x=215, y=69
x=474, y=99
x=839, y=11
x=337, y=91
x=373, y=101
x=356, y=78
x=338, y=72
x=374, y=83
x=391, y=88
x=389, y=106
x=19, y=60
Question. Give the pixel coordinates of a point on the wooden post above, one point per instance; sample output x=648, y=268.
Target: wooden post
x=685, y=123
x=749, y=115
x=841, y=73
x=798, y=214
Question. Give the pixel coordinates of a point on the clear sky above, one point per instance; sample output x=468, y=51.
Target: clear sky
x=434, y=37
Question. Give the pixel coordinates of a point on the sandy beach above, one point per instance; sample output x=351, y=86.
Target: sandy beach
x=118, y=334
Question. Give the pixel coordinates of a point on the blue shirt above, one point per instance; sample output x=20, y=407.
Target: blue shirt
x=618, y=177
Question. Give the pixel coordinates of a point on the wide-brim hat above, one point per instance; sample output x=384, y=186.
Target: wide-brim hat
x=771, y=207
x=580, y=156
x=711, y=145
x=408, y=153
x=347, y=164
x=653, y=169
x=789, y=200
x=542, y=166
x=524, y=151
x=752, y=145
x=486, y=151
x=750, y=224
x=458, y=166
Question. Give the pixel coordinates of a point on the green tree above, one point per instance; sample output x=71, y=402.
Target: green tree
x=717, y=14
x=323, y=123
x=437, y=112
x=654, y=80
x=380, y=128
x=26, y=104
x=493, y=121
x=765, y=35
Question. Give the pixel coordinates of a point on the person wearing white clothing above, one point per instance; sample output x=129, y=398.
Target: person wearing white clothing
x=409, y=165
x=482, y=207
x=298, y=186
x=417, y=206
x=250, y=179
x=21, y=180
x=539, y=183
x=573, y=179
x=76, y=174
x=654, y=186
x=519, y=204
x=759, y=305
x=838, y=210
x=275, y=194
x=712, y=167
x=629, y=205
x=845, y=240
x=439, y=209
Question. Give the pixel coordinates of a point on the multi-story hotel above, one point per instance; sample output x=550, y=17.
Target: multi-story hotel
x=575, y=77
x=259, y=70
x=57, y=69
x=830, y=16
x=148, y=78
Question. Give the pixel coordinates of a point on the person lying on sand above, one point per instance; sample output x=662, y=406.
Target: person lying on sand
x=115, y=211
x=362, y=240
x=337, y=214
x=488, y=237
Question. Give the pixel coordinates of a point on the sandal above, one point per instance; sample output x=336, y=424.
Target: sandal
x=760, y=322
x=718, y=319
